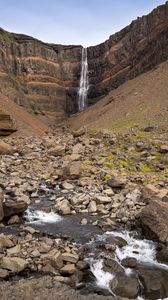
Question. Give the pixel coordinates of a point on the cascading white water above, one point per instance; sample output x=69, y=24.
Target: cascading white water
x=84, y=82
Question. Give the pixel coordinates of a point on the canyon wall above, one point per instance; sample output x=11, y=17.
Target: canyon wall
x=44, y=78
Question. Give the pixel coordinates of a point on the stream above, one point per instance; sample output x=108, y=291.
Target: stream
x=129, y=270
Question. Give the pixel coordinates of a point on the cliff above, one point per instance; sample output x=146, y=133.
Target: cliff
x=44, y=78
x=41, y=77
x=134, y=50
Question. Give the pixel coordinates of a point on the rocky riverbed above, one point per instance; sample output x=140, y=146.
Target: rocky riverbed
x=78, y=208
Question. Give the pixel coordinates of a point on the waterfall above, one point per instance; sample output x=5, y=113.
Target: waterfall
x=84, y=82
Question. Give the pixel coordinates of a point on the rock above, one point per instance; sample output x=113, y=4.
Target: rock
x=69, y=257
x=112, y=266
x=4, y=273
x=82, y=265
x=1, y=205
x=5, y=241
x=154, y=281
x=163, y=149
x=67, y=186
x=64, y=207
x=14, y=264
x=116, y=182
x=14, y=250
x=103, y=199
x=154, y=221
x=68, y=269
x=5, y=149
x=14, y=220
x=162, y=255
x=54, y=257
x=127, y=287
x=150, y=193
x=129, y=262
x=84, y=221
x=14, y=208
x=73, y=170
x=92, y=208
x=58, y=150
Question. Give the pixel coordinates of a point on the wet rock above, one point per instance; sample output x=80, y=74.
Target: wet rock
x=84, y=221
x=154, y=281
x=82, y=265
x=116, y=182
x=1, y=205
x=14, y=208
x=14, y=264
x=112, y=266
x=129, y=262
x=127, y=287
x=162, y=255
x=154, y=221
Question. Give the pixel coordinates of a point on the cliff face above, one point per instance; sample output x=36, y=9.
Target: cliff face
x=45, y=77
x=42, y=77
x=134, y=50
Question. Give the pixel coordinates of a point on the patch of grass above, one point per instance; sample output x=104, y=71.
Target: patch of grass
x=145, y=168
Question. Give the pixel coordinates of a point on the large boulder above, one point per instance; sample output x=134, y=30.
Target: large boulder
x=126, y=286
x=6, y=149
x=12, y=208
x=1, y=204
x=154, y=281
x=154, y=221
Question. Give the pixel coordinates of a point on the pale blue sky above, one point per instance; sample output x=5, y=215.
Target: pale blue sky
x=86, y=22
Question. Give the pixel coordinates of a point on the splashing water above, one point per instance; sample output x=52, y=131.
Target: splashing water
x=84, y=82
x=39, y=217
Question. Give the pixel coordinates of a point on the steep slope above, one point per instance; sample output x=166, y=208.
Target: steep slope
x=142, y=101
x=19, y=118
x=134, y=50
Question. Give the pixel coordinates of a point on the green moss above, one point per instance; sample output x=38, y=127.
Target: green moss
x=146, y=168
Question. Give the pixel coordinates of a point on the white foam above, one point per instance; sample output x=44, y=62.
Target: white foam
x=103, y=278
x=39, y=217
x=143, y=250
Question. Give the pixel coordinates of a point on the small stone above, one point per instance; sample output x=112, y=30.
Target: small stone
x=84, y=221
x=69, y=257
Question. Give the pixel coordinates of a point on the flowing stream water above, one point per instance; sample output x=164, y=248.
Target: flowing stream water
x=144, y=251
x=84, y=82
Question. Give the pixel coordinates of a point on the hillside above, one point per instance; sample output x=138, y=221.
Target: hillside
x=142, y=101
x=13, y=116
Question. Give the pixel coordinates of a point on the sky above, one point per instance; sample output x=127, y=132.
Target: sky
x=80, y=22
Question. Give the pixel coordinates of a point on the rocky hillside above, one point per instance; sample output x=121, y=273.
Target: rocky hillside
x=15, y=118
x=139, y=102
x=45, y=77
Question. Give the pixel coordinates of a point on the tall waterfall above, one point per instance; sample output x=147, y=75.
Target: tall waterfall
x=84, y=82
